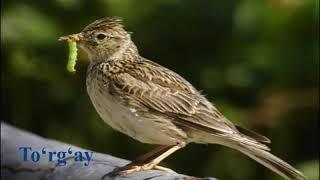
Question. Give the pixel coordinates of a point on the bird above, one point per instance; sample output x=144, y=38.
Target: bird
x=154, y=105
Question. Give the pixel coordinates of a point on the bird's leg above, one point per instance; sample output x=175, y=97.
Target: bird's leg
x=140, y=160
x=144, y=157
x=151, y=165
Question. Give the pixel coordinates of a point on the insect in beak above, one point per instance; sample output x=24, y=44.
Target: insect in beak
x=72, y=37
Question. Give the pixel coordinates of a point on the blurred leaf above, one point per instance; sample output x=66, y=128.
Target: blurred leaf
x=310, y=169
x=23, y=24
x=69, y=4
x=239, y=76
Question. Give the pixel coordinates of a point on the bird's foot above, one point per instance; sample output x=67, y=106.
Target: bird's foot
x=132, y=168
x=164, y=169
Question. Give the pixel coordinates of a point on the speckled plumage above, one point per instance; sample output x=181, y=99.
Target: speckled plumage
x=155, y=105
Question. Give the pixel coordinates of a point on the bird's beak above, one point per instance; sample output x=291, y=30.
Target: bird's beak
x=72, y=37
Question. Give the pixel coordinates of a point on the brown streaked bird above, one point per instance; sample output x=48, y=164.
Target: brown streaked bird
x=155, y=105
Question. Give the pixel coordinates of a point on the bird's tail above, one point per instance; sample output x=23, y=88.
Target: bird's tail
x=270, y=161
x=252, y=145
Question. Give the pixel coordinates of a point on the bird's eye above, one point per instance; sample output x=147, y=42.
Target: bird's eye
x=101, y=36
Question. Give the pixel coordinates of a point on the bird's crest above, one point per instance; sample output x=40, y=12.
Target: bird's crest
x=105, y=23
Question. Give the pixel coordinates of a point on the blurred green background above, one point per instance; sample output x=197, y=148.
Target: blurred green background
x=258, y=61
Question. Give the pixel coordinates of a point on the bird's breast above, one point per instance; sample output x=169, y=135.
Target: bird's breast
x=126, y=119
x=108, y=106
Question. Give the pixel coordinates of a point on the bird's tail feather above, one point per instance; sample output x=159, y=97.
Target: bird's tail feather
x=270, y=161
x=248, y=143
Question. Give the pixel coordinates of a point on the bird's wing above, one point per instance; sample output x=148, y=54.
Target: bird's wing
x=148, y=86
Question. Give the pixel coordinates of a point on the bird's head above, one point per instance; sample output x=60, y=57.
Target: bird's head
x=103, y=39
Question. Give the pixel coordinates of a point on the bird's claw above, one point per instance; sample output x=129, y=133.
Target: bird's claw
x=131, y=168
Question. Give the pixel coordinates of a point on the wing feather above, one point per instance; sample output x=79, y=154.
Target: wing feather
x=148, y=85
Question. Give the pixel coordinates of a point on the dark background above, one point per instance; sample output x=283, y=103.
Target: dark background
x=258, y=61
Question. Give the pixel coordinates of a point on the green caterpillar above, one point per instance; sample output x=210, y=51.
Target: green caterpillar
x=72, y=58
